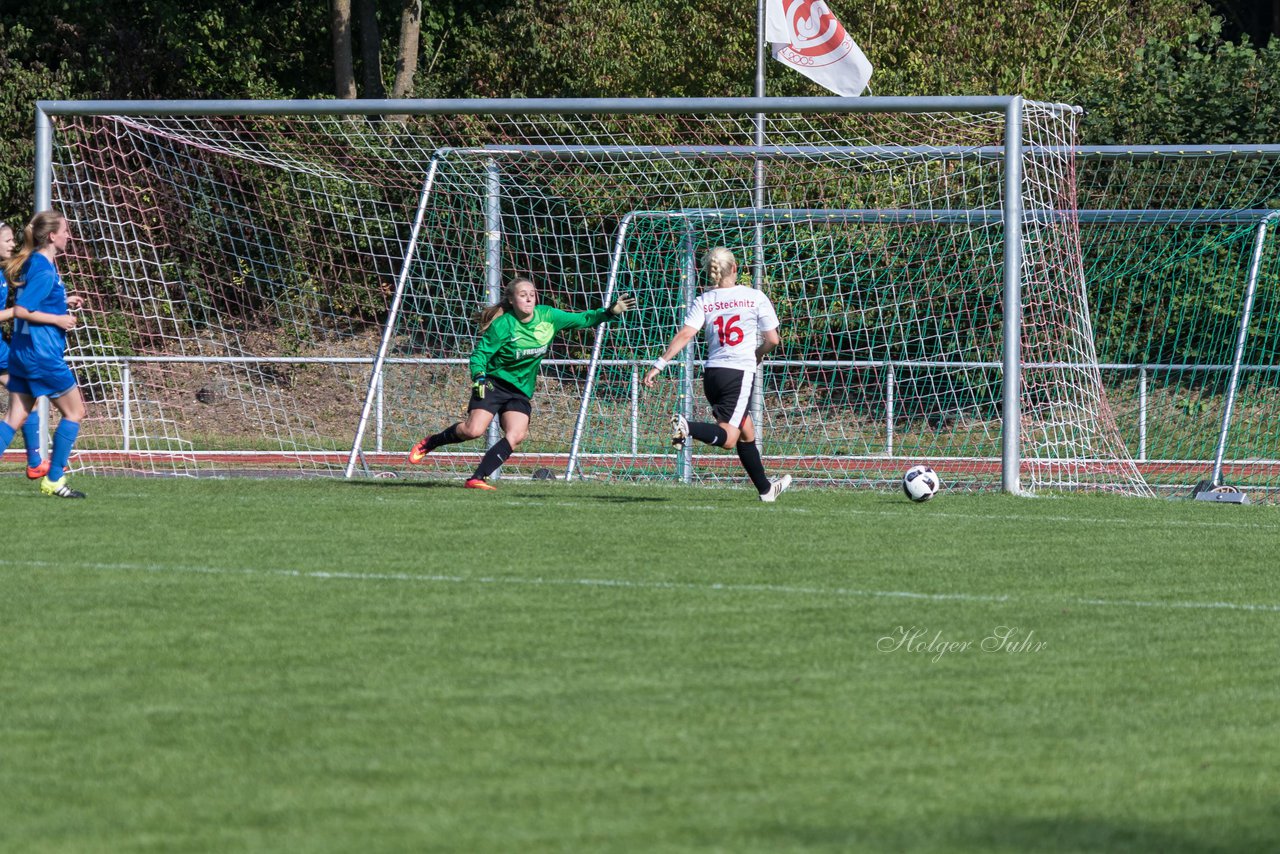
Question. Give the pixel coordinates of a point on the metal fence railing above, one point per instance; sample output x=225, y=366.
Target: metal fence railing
x=1115, y=373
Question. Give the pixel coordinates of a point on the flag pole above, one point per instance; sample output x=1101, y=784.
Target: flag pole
x=759, y=184
x=757, y=270
x=760, y=48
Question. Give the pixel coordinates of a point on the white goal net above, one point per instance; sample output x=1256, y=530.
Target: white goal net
x=245, y=273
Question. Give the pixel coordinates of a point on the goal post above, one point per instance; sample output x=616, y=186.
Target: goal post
x=288, y=286
x=1011, y=410
x=379, y=360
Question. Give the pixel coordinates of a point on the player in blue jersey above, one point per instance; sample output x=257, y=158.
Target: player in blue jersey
x=37, y=367
x=36, y=468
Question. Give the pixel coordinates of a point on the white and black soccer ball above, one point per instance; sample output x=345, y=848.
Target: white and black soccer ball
x=921, y=483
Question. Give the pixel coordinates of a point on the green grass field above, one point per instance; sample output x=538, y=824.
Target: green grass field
x=390, y=666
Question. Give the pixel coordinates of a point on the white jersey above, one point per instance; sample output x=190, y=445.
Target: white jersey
x=732, y=319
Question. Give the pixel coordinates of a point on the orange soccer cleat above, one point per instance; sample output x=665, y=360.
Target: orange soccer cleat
x=419, y=452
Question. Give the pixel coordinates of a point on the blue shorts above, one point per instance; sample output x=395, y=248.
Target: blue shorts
x=51, y=386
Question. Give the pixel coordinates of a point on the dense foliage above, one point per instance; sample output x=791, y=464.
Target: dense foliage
x=1198, y=88
x=1149, y=70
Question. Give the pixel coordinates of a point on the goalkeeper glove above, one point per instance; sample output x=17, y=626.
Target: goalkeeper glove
x=478, y=386
x=623, y=303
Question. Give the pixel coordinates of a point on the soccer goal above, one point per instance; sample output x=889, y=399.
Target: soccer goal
x=288, y=287
x=1182, y=264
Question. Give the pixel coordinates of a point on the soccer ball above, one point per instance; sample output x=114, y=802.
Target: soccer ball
x=921, y=483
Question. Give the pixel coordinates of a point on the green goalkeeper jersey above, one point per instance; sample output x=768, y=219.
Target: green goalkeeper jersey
x=513, y=351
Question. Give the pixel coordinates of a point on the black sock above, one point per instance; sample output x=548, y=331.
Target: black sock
x=750, y=456
x=447, y=436
x=493, y=458
x=712, y=434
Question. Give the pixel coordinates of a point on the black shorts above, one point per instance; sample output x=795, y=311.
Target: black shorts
x=728, y=390
x=500, y=397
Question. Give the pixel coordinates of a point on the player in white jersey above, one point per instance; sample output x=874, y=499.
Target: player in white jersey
x=741, y=327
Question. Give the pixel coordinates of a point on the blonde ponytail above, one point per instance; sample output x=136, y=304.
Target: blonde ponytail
x=718, y=262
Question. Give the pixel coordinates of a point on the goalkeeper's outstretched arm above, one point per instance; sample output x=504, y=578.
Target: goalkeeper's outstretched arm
x=678, y=342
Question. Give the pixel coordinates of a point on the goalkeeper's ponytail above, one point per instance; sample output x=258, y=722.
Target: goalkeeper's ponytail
x=493, y=312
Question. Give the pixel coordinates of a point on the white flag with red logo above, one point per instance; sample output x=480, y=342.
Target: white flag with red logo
x=806, y=35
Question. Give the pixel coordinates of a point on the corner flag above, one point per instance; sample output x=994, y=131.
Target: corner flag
x=806, y=35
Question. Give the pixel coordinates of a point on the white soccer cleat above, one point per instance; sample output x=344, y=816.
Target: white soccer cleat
x=776, y=488
x=679, y=430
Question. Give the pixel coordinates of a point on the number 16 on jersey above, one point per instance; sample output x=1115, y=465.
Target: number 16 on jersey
x=729, y=332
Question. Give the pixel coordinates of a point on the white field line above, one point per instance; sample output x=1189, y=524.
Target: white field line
x=747, y=501
x=615, y=583
x=936, y=514
x=1148, y=523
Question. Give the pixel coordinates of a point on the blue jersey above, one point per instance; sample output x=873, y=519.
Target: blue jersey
x=36, y=348
x=4, y=346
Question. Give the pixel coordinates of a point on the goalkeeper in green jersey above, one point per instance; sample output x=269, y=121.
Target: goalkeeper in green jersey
x=514, y=337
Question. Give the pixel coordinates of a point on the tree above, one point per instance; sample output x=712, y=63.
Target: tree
x=368, y=29
x=1099, y=53
x=407, y=50
x=1257, y=19
x=1199, y=90
x=370, y=51
x=24, y=80
x=344, y=75
x=165, y=49
x=1041, y=48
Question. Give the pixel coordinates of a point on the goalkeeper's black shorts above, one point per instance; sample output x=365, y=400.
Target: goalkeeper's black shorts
x=500, y=397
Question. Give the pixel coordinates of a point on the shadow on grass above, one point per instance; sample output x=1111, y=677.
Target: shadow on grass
x=1001, y=835
x=1060, y=835
x=624, y=499
x=525, y=490
x=396, y=483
